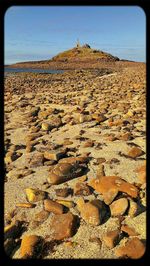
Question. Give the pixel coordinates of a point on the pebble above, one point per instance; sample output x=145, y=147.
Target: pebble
x=129, y=230
x=36, y=160
x=111, y=238
x=63, y=192
x=31, y=247
x=41, y=216
x=63, y=226
x=110, y=195
x=34, y=195
x=53, y=206
x=135, y=152
x=45, y=126
x=134, y=249
x=54, y=155
x=82, y=189
x=118, y=207
x=66, y=203
x=92, y=212
x=133, y=208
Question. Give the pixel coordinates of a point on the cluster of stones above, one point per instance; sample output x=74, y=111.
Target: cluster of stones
x=91, y=100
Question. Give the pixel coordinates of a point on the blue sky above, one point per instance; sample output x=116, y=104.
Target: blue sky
x=40, y=32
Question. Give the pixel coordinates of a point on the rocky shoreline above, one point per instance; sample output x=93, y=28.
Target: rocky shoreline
x=75, y=160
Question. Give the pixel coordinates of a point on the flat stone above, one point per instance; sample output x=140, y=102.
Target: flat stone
x=63, y=172
x=111, y=238
x=88, y=144
x=134, y=249
x=63, y=226
x=105, y=183
x=118, y=207
x=129, y=230
x=92, y=212
x=36, y=160
x=73, y=160
x=135, y=152
x=133, y=208
x=142, y=173
x=66, y=203
x=100, y=171
x=110, y=195
x=63, y=192
x=54, y=155
x=45, y=126
x=81, y=189
x=53, y=206
x=41, y=216
x=31, y=247
x=34, y=195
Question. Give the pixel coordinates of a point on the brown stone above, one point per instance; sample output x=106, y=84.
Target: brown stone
x=63, y=192
x=63, y=172
x=118, y=207
x=52, y=206
x=111, y=238
x=37, y=160
x=34, y=195
x=134, y=249
x=88, y=143
x=129, y=230
x=73, y=160
x=81, y=189
x=53, y=155
x=31, y=247
x=110, y=195
x=100, y=171
x=92, y=212
x=135, y=152
x=126, y=136
x=41, y=216
x=133, y=208
x=105, y=183
x=142, y=173
x=63, y=226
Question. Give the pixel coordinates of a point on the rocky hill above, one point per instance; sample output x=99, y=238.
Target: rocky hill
x=75, y=58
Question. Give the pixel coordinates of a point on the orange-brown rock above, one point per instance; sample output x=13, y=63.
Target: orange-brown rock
x=63, y=226
x=92, y=212
x=118, y=207
x=53, y=155
x=52, y=206
x=142, y=173
x=133, y=208
x=111, y=238
x=63, y=192
x=135, y=152
x=81, y=189
x=73, y=160
x=105, y=183
x=110, y=195
x=63, y=172
x=134, y=249
x=31, y=247
x=129, y=230
x=41, y=216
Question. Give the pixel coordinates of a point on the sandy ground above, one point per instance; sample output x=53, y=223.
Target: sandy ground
x=109, y=93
